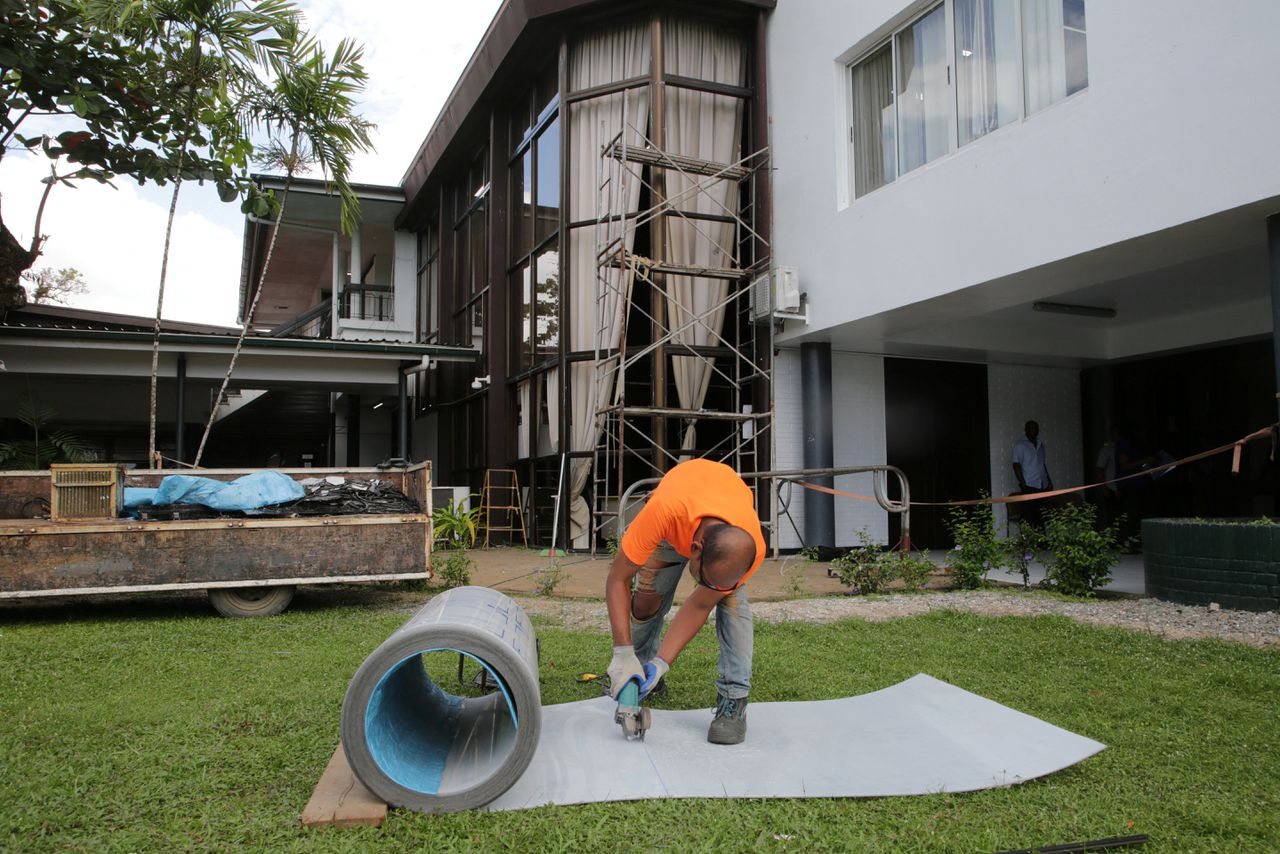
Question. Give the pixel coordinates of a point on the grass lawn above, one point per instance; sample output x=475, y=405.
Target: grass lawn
x=153, y=727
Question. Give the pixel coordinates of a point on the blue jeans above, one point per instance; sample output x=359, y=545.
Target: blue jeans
x=733, y=625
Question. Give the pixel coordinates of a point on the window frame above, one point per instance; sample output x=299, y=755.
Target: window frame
x=849, y=191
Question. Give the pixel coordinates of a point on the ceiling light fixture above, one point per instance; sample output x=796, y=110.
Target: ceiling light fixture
x=1072, y=308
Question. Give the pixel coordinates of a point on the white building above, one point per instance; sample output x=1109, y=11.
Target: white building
x=951, y=177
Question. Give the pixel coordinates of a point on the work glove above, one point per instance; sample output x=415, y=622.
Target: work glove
x=653, y=671
x=624, y=667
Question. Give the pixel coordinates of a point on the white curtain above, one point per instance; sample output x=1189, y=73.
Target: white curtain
x=596, y=59
x=1043, y=53
x=709, y=127
x=875, y=144
x=527, y=418
x=987, y=87
x=551, y=394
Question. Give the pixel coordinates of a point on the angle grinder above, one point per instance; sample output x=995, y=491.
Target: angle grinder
x=633, y=719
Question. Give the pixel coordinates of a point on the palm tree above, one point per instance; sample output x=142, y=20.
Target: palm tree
x=308, y=113
x=212, y=49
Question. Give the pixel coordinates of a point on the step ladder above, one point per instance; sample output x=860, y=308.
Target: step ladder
x=501, y=495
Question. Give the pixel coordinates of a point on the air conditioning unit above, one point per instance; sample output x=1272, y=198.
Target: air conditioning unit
x=83, y=491
x=775, y=295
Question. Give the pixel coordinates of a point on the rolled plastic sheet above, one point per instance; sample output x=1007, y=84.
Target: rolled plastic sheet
x=417, y=746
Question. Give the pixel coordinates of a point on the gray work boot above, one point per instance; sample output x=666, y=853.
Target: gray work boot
x=730, y=723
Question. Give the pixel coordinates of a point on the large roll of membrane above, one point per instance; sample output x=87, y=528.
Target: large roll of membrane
x=417, y=746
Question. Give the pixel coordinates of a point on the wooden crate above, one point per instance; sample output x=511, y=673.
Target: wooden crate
x=79, y=491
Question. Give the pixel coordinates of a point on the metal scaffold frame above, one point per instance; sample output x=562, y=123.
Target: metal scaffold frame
x=632, y=288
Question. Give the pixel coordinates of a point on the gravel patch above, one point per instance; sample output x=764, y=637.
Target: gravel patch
x=1165, y=619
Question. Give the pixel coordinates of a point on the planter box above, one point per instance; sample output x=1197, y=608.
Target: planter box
x=1198, y=561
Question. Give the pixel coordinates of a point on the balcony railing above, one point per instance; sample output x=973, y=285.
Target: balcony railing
x=315, y=322
x=367, y=302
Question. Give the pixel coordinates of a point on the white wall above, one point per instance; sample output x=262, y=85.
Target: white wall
x=1178, y=123
x=1017, y=394
x=857, y=390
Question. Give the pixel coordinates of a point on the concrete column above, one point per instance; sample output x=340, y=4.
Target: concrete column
x=181, y=420
x=353, y=430
x=819, y=445
x=1273, y=249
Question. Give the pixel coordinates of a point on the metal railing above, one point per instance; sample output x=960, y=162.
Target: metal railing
x=880, y=484
x=367, y=302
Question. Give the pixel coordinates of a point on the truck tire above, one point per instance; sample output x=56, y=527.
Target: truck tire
x=251, y=601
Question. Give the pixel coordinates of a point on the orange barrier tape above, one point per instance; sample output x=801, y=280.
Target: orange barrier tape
x=1236, y=447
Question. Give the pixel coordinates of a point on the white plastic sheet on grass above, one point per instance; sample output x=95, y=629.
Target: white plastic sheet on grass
x=921, y=736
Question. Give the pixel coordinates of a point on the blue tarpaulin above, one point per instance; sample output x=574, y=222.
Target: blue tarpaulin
x=248, y=493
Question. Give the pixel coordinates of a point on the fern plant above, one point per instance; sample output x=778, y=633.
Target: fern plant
x=45, y=446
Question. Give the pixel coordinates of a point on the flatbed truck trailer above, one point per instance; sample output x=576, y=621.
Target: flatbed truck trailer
x=249, y=566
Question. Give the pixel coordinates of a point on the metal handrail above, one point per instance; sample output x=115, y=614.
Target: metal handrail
x=880, y=483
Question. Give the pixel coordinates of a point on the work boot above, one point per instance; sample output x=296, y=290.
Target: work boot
x=658, y=690
x=729, y=726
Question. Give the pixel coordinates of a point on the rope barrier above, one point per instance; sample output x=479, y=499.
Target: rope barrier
x=1235, y=447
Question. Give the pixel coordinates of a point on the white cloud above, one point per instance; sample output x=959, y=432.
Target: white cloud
x=115, y=238
x=414, y=53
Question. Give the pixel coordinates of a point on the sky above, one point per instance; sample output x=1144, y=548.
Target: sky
x=414, y=52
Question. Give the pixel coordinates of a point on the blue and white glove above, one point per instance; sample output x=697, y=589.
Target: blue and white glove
x=653, y=671
x=624, y=667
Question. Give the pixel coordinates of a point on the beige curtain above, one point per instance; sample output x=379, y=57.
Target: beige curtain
x=709, y=127
x=597, y=59
x=527, y=418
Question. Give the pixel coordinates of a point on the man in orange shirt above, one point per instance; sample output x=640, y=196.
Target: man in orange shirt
x=701, y=515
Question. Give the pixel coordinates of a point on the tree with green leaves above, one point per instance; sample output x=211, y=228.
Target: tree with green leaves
x=308, y=111
x=98, y=104
x=47, y=285
x=213, y=52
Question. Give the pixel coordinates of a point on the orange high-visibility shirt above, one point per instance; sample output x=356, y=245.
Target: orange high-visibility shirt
x=687, y=494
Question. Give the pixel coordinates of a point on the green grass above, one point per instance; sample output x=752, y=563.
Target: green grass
x=153, y=727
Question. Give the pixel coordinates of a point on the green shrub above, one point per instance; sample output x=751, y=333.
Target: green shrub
x=1020, y=550
x=977, y=550
x=869, y=569
x=546, y=580
x=1080, y=555
x=456, y=571
x=454, y=528
x=914, y=568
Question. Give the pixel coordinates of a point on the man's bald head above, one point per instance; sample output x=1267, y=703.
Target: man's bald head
x=727, y=553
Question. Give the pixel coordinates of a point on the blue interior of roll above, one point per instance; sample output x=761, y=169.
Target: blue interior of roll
x=410, y=722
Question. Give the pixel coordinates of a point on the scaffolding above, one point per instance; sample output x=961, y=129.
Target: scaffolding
x=641, y=432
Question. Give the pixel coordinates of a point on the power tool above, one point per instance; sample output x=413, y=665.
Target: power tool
x=633, y=719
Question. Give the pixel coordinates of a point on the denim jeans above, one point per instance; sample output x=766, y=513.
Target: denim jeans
x=733, y=625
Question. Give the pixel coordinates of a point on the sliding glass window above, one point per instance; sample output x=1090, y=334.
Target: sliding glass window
x=1004, y=59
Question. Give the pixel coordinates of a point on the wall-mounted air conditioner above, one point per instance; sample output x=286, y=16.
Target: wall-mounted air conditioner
x=776, y=295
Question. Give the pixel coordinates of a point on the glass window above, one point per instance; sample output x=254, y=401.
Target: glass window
x=903, y=106
x=522, y=280
x=547, y=289
x=923, y=111
x=874, y=141
x=987, y=93
x=1054, y=51
x=1075, y=47
x=548, y=208
x=522, y=205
